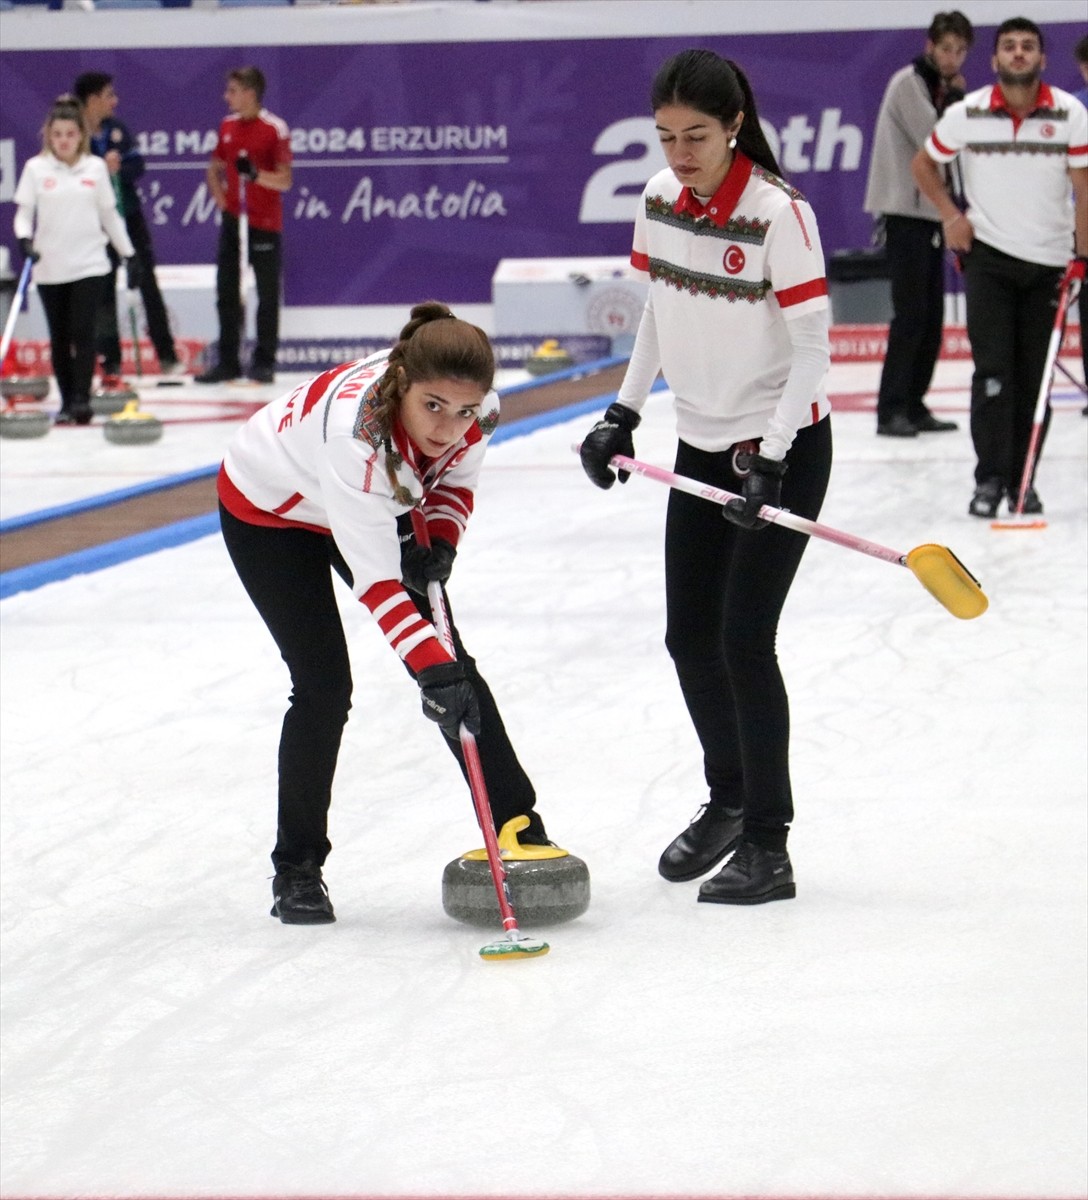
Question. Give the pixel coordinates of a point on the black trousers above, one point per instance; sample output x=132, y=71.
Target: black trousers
x=1010, y=315
x=265, y=258
x=725, y=588
x=288, y=576
x=70, y=312
x=158, y=323
x=915, y=257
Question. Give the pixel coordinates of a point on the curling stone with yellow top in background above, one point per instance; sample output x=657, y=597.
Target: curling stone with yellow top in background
x=547, y=357
x=547, y=885
x=130, y=427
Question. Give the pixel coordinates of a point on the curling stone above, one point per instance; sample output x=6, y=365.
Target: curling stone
x=547, y=357
x=130, y=427
x=24, y=387
x=105, y=401
x=547, y=885
x=24, y=423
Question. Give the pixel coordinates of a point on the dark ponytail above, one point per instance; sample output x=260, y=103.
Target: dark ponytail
x=434, y=345
x=713, y=85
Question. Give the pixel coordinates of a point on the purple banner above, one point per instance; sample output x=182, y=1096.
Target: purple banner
x=418, y=167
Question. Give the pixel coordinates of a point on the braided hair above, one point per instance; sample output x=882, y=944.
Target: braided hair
x=716, y=86
x=433, y=345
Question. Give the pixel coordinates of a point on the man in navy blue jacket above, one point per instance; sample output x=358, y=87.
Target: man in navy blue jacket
x=111, y=140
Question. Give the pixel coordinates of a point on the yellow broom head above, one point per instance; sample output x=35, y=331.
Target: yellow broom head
x=942, y=574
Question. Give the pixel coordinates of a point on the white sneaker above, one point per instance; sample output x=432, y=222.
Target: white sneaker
x=172, y=368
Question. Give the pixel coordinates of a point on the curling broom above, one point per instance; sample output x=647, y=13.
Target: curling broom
x=938, y=570
x=514, y=944
x=1069, y=286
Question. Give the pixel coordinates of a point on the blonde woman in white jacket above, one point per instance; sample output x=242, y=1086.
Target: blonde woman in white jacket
x=65, y=214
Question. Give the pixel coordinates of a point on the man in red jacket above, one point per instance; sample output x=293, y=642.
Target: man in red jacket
x=254, y=145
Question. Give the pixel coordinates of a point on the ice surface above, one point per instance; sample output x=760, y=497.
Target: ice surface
x=913, y=1024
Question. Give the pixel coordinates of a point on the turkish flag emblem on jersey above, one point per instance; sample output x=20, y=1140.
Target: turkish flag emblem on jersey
x=733, y=260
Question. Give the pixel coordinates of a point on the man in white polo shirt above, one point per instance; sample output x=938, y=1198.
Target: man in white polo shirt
x=1021, y=144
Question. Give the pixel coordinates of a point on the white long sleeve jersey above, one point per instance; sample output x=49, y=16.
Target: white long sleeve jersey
x=736, y=315
x=315, y=459
x=1016, y=170
x=70, y=213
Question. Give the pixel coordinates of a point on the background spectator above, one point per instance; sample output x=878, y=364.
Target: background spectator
x=915, y=97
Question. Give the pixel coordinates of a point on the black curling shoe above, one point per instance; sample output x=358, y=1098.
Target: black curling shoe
x=986, y=499
x=300, y=896
x=752, y=876
x=705, y=842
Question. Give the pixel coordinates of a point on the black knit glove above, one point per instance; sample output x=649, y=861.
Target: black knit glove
x=449, y=698
x=245, y=167
x=762, y=486
x=611, y=435
x=420, y=566
x=26, y=245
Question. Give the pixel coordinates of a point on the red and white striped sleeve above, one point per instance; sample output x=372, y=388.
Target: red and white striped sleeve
x=409, y=633
x=448, y=509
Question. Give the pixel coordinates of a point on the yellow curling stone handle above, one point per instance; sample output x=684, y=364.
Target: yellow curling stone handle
x=131, y=412
x=511, y=848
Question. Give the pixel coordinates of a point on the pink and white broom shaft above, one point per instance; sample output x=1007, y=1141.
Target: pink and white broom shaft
x=778, y=516
x=1042, y=402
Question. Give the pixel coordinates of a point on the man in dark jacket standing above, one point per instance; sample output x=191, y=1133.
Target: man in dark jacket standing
x=915, y=97
x=111, y=140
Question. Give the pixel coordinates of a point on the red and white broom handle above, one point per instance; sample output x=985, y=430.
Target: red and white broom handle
x=243, y=246
x=477, y=786
x=778, y=516
x=1066, y=293
x=16, y=305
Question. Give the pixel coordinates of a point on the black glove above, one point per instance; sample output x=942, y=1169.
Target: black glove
x=245, y=167
x=420, y=566
x=133, y=273
x=449, y=698
x=611, y=435
x=762, y=486
x=26, y=245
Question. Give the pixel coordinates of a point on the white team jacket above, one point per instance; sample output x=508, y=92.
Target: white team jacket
x=314, y=459
x=76, y=214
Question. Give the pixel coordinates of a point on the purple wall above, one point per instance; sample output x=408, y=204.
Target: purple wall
x=481, y=150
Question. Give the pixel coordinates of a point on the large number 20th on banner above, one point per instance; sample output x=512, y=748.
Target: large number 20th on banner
x=418, y=167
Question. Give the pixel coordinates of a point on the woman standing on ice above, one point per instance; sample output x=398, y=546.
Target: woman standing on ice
x=333, y=477
x=66, y=191
x=736, y=319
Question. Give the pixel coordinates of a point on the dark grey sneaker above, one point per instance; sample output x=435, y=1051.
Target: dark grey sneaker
x=219, y=374
x=986, y=498
x=712, y=833
x=752, y=876
x=300, y=897
x=1033, y=506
